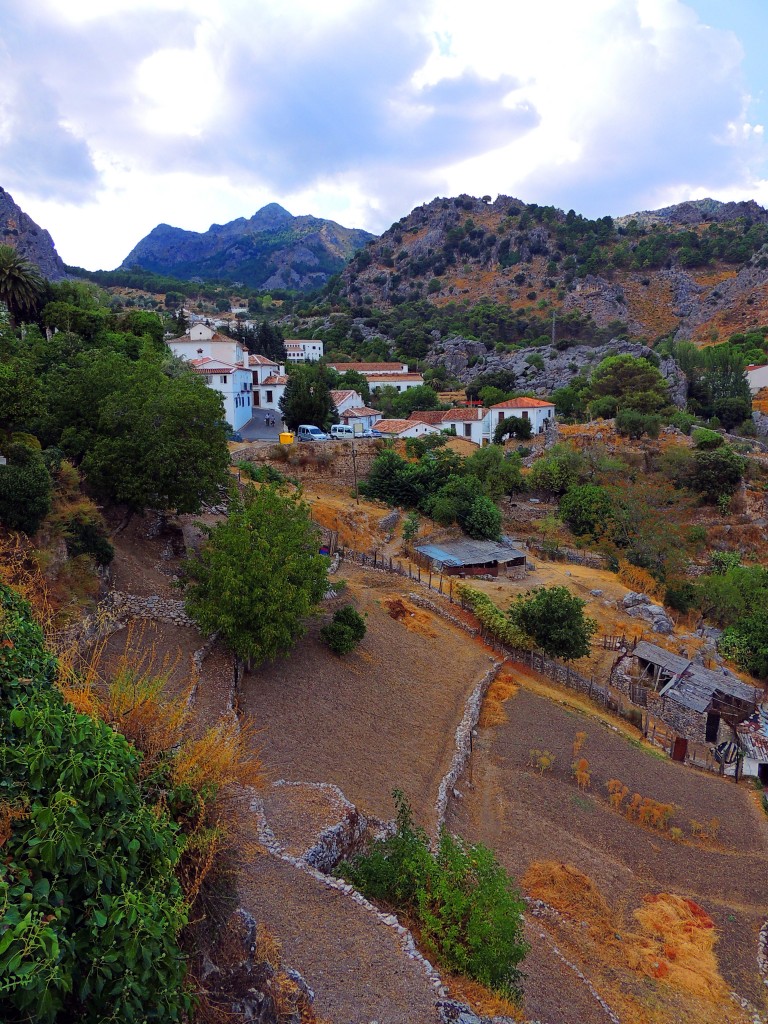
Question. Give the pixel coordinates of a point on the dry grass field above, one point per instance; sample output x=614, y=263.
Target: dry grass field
x=603, y=871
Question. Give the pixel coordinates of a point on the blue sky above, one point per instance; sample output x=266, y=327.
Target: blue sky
x=116, y=115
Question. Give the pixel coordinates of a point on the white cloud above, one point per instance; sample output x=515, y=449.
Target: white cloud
x=117, y=116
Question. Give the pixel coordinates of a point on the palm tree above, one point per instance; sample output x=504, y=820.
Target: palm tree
x=21, y=283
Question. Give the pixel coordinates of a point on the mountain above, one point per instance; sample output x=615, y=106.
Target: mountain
x=35, y=244
x=273, y=249
x=698, y=269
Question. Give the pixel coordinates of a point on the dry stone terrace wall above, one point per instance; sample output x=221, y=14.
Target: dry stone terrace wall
x=338, y=453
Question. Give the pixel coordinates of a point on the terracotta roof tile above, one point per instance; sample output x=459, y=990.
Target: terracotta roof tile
x=524, y=403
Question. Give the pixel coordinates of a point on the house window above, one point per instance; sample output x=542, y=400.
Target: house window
x=467, y=430
x=525, y=414
x=269, y=397
x=223, y=378
x=501, y=417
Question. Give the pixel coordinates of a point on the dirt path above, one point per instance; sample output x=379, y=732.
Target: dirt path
x=352, y=961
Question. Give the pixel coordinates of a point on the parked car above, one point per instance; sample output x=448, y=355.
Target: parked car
x=372, y=432
x=342, y=432
x=309, y=432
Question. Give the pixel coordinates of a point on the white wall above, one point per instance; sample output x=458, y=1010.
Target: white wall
x=758, y=378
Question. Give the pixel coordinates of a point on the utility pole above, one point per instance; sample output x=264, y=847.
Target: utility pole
x=354, y=464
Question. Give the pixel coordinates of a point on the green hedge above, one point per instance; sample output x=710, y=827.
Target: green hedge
x=494, y=620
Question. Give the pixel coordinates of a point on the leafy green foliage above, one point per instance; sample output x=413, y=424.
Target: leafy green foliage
x=717, y=472
x=21, y=284
x=90, y=909
x=468, y=910
x=746, y=643
x=85, y=533
x=512, y=426
x=307, y=398
x=483, y=520
x=259, y=574
x=587, y=509
x=630, y=383
x=555, y=618
x=707, y=440
x=25, y=489
x=492, y=619
x=631, y=423
x=345, y=631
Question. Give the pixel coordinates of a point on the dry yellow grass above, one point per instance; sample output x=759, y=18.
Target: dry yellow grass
x=501, y=689
x=481, y=999
x=668, y=939
x=636, y=578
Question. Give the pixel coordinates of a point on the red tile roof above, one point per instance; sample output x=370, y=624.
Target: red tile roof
x=463, y=415
x=524, y=403
x=393, y=426
x=385, y=378
x=276, y=378
x=361, y=411
x=428, y=416
x=341, y=396
x=256, y=360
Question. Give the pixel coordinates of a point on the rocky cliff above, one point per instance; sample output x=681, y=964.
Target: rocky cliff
x=272, y=249
x=699, y=269
x=33, y=242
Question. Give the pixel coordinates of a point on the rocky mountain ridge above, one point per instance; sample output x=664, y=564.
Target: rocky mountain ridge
x=28, y=238
x=271, y=249
x=698, y=270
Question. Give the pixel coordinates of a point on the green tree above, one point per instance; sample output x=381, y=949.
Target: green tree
x=21, y=283
x=307, y=398
x=717, y=472
x=160, y=443
x=483, y=520
x=20, y=396
x=497, y=470
x=632, y=383
x=559, y=469
x=554, y=618
x=512, y=426
x=746, y=643
x=587, y=509
x=259, y=574
x=354, y=381
x=25, y=489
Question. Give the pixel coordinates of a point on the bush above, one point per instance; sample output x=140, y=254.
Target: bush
x=25, y=489
x=468, y=910
x=89, y=904
x=717, y=472
x=85, y=533
x=631, y=423
x=707, y=440
x=345, y=631
x=586, y=509
x=683, y=421
x=681, y=596
x=493, y=619
x=554, y=618
x=512, y=426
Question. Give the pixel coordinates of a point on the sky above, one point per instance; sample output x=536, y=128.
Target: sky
x=118, y=115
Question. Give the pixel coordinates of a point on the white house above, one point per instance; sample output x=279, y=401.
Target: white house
x=757, y=375
x=536, y=410
x=345, y=399
x=303, y=351
x=367, y=368
x=202, y=342
x=271, y=390
x=368, y=418
x=405, y=428
x=466, y=422
x=233, y=383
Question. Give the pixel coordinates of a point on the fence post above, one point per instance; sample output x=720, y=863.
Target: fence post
x=430, y=579
x=441, y=583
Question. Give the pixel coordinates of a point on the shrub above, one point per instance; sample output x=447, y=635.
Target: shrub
x=717, y=472
x=707, y=440
x=631, y=423
x=25, y=489
x=345, y=631
x=468, y=911
x=512, y=426
x=682, y=596
x=85, y=533
x=554, y=618
x=682, y=420
x=89, y=905
x=586, y=509
x=492, y=619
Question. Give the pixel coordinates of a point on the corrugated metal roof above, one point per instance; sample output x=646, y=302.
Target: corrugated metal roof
x=660, y=656
x=698, y=687
x=471, y=552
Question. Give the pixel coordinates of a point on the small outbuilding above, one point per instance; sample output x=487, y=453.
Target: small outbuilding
x=699, y=704
x=473, y=557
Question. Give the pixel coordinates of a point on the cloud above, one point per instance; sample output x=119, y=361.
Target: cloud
x=192, y=112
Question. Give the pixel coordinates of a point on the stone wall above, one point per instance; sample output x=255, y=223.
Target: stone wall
x=334, y=459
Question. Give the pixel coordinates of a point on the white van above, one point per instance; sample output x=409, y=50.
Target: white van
x=342, y=431
x=308, y=432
